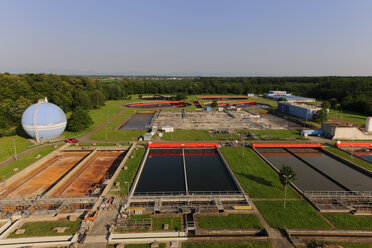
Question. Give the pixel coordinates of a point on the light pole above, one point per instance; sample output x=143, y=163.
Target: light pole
x=127, y=188
x=243, y=147
x=285, y=188
x=15, y=149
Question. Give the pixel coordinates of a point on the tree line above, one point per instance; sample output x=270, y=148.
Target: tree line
x=18, y=92
x=348, y=93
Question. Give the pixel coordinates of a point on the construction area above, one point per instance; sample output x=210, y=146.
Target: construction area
x=208, y=120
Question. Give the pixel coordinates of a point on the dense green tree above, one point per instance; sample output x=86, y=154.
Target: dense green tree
x=287, y=174
x=214, y=104
x=79, y=120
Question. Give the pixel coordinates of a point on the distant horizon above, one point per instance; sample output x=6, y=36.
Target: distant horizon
x=187, y=38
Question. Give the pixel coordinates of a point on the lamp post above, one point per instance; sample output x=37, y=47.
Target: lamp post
x=127, y=188
x=285, y=188
x=243, y=147
x=15, y=150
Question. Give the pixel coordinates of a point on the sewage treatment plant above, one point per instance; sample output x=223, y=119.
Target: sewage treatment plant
x=173, y=172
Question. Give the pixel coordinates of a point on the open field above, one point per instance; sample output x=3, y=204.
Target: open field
x=7, y=170
x=99, y=116
x=297, y=214
x=7, y=148
x=35, y=229
x=230, y=221
x=247, y=244
x=348, y=221
x=118, y=135
x=128, y=175
x=258, y=179
x=348, y=116
x=347, y=156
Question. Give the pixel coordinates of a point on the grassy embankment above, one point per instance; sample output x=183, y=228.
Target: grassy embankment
x=258, y=179
x=7, y=147
x=348, y=221
x=297, y=214
x=7, y=170
x=347, y=156
x=36, y=229
x=348, y=116
x=343, y=244
x=129, y=174
x=231, y=221
x=99, y=116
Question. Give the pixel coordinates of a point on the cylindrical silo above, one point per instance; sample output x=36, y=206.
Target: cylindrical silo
x=369, y=124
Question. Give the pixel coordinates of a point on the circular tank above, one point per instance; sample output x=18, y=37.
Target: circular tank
x=44, y=120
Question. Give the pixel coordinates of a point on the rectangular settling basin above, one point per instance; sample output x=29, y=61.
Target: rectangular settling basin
x=43, y=177
x=84, y=181
x=178, y=171
x=138, y=121
x=317, y=171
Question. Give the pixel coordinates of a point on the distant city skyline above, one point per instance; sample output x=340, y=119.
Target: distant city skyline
x=187, y=38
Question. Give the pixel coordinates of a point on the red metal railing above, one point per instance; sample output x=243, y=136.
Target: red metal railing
x=222, y=97
x=168, y=145
x=154, y=103
x=310, y=145
x=235, y=103
x=354, y=144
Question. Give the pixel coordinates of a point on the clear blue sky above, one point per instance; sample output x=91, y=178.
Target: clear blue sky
x=190, y=37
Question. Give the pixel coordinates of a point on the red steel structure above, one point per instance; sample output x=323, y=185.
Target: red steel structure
x=154, y=103
x=222, y=97
x=282, y=145
x=236, y=103
x=354, y=144
x=178, y=145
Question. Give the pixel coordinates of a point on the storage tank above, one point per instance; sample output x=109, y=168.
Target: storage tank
x=369, y=124
x=44, y=120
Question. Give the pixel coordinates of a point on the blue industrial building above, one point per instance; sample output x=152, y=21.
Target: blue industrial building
x=276, y=95
x=298, y=109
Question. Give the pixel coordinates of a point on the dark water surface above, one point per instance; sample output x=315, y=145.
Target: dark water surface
x=164, y=172
x=347, y=176
x=206, y=172
x=308, y=179
x=138, y=122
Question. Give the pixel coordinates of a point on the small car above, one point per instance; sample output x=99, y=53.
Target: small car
x=72, y=140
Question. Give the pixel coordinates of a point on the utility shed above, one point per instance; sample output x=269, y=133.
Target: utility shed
x=167, y=129
x=147, y=137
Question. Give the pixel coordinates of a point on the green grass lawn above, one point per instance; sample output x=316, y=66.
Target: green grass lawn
x=7, y=147
x=128, y=175
x=272, y=103
x=348, y=116
x=99, y=116
x=246, y=244
x=7, y=170
x=276, y=134
x=297, y=214
x=175, y=223
x=118, y=135
x=258, y=179
x=347, y=156
x=348, y=221
x=44, y=228
x=230, y=221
